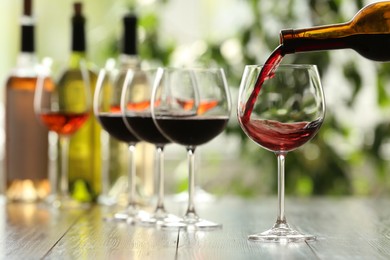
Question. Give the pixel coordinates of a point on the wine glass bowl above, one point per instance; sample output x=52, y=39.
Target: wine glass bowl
x=191, y=107
x=289, y=110
x=287, y=113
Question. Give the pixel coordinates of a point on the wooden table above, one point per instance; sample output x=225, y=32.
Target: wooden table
x=347, y=228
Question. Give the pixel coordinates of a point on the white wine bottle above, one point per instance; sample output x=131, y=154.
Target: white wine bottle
x=84, y=147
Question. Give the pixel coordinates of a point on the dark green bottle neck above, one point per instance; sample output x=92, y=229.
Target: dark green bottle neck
x=129, y=41
x=78, y=54
x=78, y=34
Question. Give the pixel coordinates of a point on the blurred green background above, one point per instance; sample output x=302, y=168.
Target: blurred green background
x=349, y=156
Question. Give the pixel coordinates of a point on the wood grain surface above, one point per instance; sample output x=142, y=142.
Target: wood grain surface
x=346, y=228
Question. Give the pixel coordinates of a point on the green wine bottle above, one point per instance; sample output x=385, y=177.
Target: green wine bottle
x=84, y=148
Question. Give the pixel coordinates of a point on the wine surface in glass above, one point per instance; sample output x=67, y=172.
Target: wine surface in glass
x=64, y=123
x=277, y=136
x=116, y=127
x=192, y=131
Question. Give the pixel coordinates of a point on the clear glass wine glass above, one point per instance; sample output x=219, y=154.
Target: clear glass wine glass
x=107, y=109
x=287, y=113
x=62, y=110
x=135, y=104
x=191, y=107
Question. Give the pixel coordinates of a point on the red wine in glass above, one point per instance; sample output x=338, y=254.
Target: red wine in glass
x=145, y=129
x=282, y=137
x=115, y=126
x=193, y=131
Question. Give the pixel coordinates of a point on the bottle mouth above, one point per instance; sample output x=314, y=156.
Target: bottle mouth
x=286, y=39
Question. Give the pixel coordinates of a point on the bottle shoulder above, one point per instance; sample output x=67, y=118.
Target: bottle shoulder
x=126, y=61
x=373, y=18
x=76, y=76
x=26, y=66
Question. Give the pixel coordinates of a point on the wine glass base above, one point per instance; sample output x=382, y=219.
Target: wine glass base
x=131, y=215
x=194, y=223
x=162, y=219
x=66, y=202
x=199, y=197
x=106, y=200
x=281, y=235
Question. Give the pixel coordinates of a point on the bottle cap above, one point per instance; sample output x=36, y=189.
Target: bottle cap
x=78, y=8
x=27, y=7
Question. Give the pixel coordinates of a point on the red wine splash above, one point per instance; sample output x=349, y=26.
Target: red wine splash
x=266, y=72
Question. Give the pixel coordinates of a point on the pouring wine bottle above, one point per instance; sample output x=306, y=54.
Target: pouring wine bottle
x=26, y=149
x=84, y=147
x=368, y=33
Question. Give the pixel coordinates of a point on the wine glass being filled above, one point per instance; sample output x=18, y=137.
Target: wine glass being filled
x=281, y=110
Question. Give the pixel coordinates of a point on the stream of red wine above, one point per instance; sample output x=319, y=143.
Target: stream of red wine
x=266, y=72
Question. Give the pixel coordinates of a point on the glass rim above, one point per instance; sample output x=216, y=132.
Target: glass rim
x=191, y=68
x=104, y=69
x=292, y=65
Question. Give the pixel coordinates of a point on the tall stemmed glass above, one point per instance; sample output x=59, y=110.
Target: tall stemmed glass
x=135, y=104
x=191, y=107
x=106, y=106
x=63, y=110
x=288, y=112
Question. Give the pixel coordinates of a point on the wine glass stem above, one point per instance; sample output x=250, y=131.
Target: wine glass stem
x=106, y=167
x=191, y=182
x=160, y=176
x=132, y=177
x=64, y=180
x=281, y=162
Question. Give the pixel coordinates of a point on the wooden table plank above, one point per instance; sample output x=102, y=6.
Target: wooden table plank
x=28, y=231
x=93, y=238
x=347, y=228
x=239, y=218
